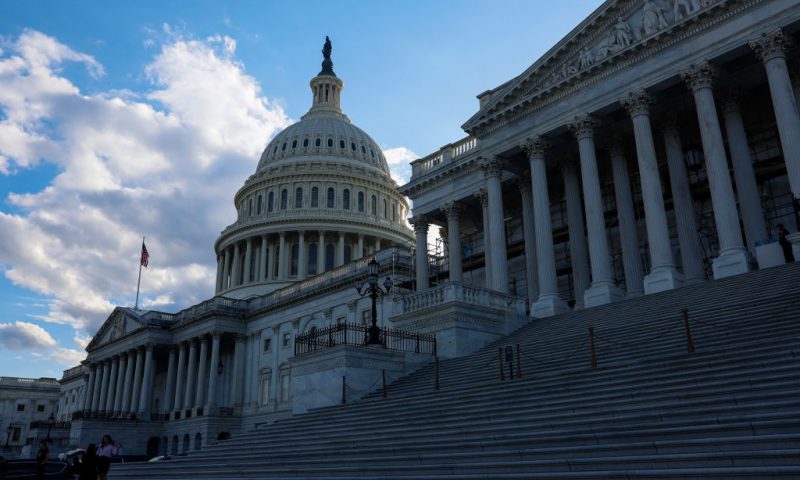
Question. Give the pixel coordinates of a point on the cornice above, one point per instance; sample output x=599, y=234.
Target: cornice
x=432, y=179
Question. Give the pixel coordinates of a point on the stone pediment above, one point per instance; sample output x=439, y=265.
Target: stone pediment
x=613, y=32
x=117, y=325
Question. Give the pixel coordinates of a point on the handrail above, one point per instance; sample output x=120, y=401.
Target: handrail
x=356, y=334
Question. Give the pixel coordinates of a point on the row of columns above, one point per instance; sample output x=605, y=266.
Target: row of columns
x=273, y=259
x=597, y=286
x=192, y=377
x=122, y=384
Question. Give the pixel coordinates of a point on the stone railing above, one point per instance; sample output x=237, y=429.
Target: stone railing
x=28, y=382
x=456, y=292
x=219, y=304
x=74, y=371
x=443, y=156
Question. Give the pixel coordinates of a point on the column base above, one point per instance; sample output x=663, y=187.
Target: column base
x=730, y=263
x=661, y=279
x=601, y=293
x=548, y=305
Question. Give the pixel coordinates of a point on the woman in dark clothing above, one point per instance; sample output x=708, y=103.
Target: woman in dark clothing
x=88, y=470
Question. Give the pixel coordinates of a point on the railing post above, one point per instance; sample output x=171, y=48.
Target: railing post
x=519, y=364
x=383, y=379
x=500, y=359
x=344, y=389
x=591, y=345
x=689, y=343
x=436, y=377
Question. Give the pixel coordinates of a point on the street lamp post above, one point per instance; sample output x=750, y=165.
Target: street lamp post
x=373, y=290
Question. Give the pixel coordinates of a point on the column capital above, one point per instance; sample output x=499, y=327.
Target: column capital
x=492, y=167
x=770, y=45
x=536, y=147
x=583, y=126
x=452, y=210
x=699, y=76
x=731, y=99
x=150, y=346
x=216, y=334
x=420, y=224
x=483, y=196
x=637, y=103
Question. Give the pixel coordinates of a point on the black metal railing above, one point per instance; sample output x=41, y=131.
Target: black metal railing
x=355, y=334
x=102, y=415
x=44, y=424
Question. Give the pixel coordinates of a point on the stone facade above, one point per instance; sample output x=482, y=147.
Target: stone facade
x=26, y=403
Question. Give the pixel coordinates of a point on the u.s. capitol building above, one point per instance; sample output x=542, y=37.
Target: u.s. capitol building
x=655, y=146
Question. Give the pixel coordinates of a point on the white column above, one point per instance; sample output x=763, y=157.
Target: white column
x=771, y=49
x=453, y=213
x=120, y=387
x=104, y=385
x=603, y=289
x=226, y=269
x=340, y=250
x=220, y=270
x=98, y=381
x=236, y=279
x=421, y=264
x=169, y=390
x=529, y=237
x=321, y=253
x=212, y=379
x=688, y=238
x=248, y=365
x=112, y=384
x=283, y=271
x=360, y=247
x=497, y=231
x=629, y=237
x=301, y=255
x=732, y=259
x=262, y=259
x=87, y=400
x=202, y=373
x=137, y=381
x=377, y=245
x=483, y=197
x=272, y=258
x=144, y=398
x=238, y=353
x=254, y=358
x=248, y=260
x=577, y=231
x=178, y=405
x=127, y=394
x=548, y=303
x=746, y=187
x=191, y=376
x=663, y=273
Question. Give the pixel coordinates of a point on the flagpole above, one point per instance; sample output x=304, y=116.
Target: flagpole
x=139, y=282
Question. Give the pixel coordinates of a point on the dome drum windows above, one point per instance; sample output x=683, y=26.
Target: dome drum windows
x=346, y=199
x=298, y=198
x=341, y=143
x=314, y=197
x=294, y=144
x=284, y=199
x=305, y=142
x=271, y=202
x=331, y=198
x=330, y=143
x=360, y=201
x=318, y=142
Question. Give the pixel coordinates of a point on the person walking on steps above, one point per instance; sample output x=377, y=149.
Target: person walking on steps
x=88, y=468
x=105, y=451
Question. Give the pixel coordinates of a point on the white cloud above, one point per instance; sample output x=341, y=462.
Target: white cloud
x=24, y=336
x=399, y=160
x=162, y=163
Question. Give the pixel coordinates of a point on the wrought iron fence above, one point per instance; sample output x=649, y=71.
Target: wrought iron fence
x=355, y=334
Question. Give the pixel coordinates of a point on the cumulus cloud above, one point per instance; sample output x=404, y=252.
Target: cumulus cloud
x=399, y=160
x=24, y=336
x=163, y=163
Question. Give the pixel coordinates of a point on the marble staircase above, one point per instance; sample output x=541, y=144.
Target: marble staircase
x=648, y=410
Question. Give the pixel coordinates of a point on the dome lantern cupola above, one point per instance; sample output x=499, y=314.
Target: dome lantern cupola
x=326, y=87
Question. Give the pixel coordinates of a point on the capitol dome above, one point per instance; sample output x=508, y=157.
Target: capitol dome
x=321, y=197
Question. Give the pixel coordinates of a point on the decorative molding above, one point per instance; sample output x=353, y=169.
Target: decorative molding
x=770, y=45
x=583, y=126
x=637, y=103
x=452, y=210
x=699, y=76
x=492, y=167
x=536, y=147
x=420, y=224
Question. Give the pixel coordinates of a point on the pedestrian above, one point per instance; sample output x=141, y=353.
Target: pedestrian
x=88, y=468
x=41, y=459
x=105, y=451
x=786, y=245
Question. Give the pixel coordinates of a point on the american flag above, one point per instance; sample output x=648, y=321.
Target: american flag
x=145, y=255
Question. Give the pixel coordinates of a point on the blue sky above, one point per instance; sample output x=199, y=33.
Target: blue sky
x=125, y=119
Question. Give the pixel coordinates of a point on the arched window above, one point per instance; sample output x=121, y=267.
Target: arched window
x=250, y=208
x=331, y=197
x=283, y=147
x=348, y=253
x=259, y=205
x=317, y=142
x=285, y=379
x=314, y=197
x=353, y=146
x=329, y=256
x=312, y=258
x=346, y=199
x=298, y=198
x=295, y=258
x=305, y=142
x=271, y=201
x=374, y=205
x=330, y=142
x=394, y=212
x=385, y=209
x=284, y=198
x=341, y=143
x=360, y=201
x=294, y=143
x=265, y=260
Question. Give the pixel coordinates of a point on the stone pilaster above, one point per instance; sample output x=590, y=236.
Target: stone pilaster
x=629, y=238
x=732, y=259
x=663, y=273
x=577, y=231
x=548, y=303
x=603, y=290
x=453, y=212
x=746, y=187
x=770, y=47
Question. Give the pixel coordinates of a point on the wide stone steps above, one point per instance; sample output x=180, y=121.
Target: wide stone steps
x=650, y=409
